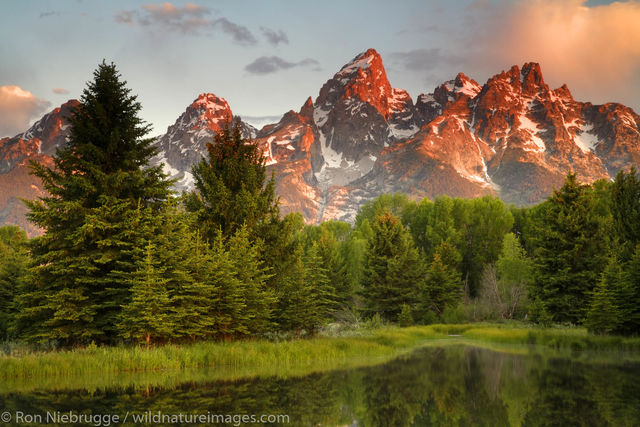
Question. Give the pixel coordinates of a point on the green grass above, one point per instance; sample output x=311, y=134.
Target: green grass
x=110, y=366
x=230, y=360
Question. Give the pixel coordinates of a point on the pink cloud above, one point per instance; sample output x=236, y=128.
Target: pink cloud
x=595, y=50
x=17, y=108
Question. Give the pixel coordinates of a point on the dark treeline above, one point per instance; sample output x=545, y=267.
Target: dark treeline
x=123, y=260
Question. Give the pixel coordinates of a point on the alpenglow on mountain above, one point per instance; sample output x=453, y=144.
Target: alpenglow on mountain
x=513, y=137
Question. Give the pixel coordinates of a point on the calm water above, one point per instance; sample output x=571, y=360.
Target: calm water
x=433, y=386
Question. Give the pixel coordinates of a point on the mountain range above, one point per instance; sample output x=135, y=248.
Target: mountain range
x=513, y=137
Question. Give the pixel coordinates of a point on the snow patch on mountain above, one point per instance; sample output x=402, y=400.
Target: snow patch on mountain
x=586, y=140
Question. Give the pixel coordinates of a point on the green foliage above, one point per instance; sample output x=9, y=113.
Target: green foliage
x=483, y=223
x=604, y=315
x=306, y=299
x=100, y=181
x=625, y=208
x=323, y=293
x=394, y=269
x=515, y=274
x=230, y=189
x=571, y=246
x=329, y=239
x=540, y=314
x=441, y=289
x=392, y=203
x=252, y=275
x=405, y=318
x=14, y=261
x=629, y=296
x=147, y=317
x=432, y=223
x=474, y=227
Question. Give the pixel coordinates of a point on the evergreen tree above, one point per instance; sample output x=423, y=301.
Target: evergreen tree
x=393, y=271
x=604, y=315
x=99, y=181
x=322, y=293
x=571, y=248
x=405, y=318
x=231, y=191
x=625, y=207
x=295, y=305
x=195, y=298
x=14, y=261
x=628, y=296
x=259, y=300
x=442, y=288
x=328, y=249
x=148, y=316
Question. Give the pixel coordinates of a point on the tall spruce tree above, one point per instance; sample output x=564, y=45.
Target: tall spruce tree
x=571, y=247
x=394, y=269
x=100, y=181
x=231, y=189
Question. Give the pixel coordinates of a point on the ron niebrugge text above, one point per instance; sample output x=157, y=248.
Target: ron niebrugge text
x=148, y=417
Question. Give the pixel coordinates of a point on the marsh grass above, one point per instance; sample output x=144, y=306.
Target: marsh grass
x=100, y=367
x=240, y=356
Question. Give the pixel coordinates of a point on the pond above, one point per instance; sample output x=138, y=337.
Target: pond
x=451, y=386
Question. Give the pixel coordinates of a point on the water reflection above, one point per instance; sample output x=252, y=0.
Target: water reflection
x=433, y=386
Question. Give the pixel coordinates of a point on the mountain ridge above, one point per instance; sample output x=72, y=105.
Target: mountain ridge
x=513, y=137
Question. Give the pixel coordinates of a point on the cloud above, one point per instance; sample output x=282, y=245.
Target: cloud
x=274, y=37
x=595, y=50
x=238, y=33
x=190, y=19
x=60, y=91
x=271, y=64
x=17, y=108
x=424, y=59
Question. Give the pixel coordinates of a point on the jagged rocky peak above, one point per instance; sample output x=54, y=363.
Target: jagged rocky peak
x=44, y=137
x=185, y=141
x=563, y=93
x=531, y=77
x=51, y=129
x=363, y=79
x=307, y=108
x=211, y=110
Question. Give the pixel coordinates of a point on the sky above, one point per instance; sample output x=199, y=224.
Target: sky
x=266, y=57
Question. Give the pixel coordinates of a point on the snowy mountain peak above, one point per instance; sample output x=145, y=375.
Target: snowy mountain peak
x=466, y=86
x=209, y=101
x=362, y=61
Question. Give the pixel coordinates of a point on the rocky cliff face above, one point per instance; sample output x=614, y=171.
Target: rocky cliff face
x=513, y=137
x=185, y=142
x=38, y=143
